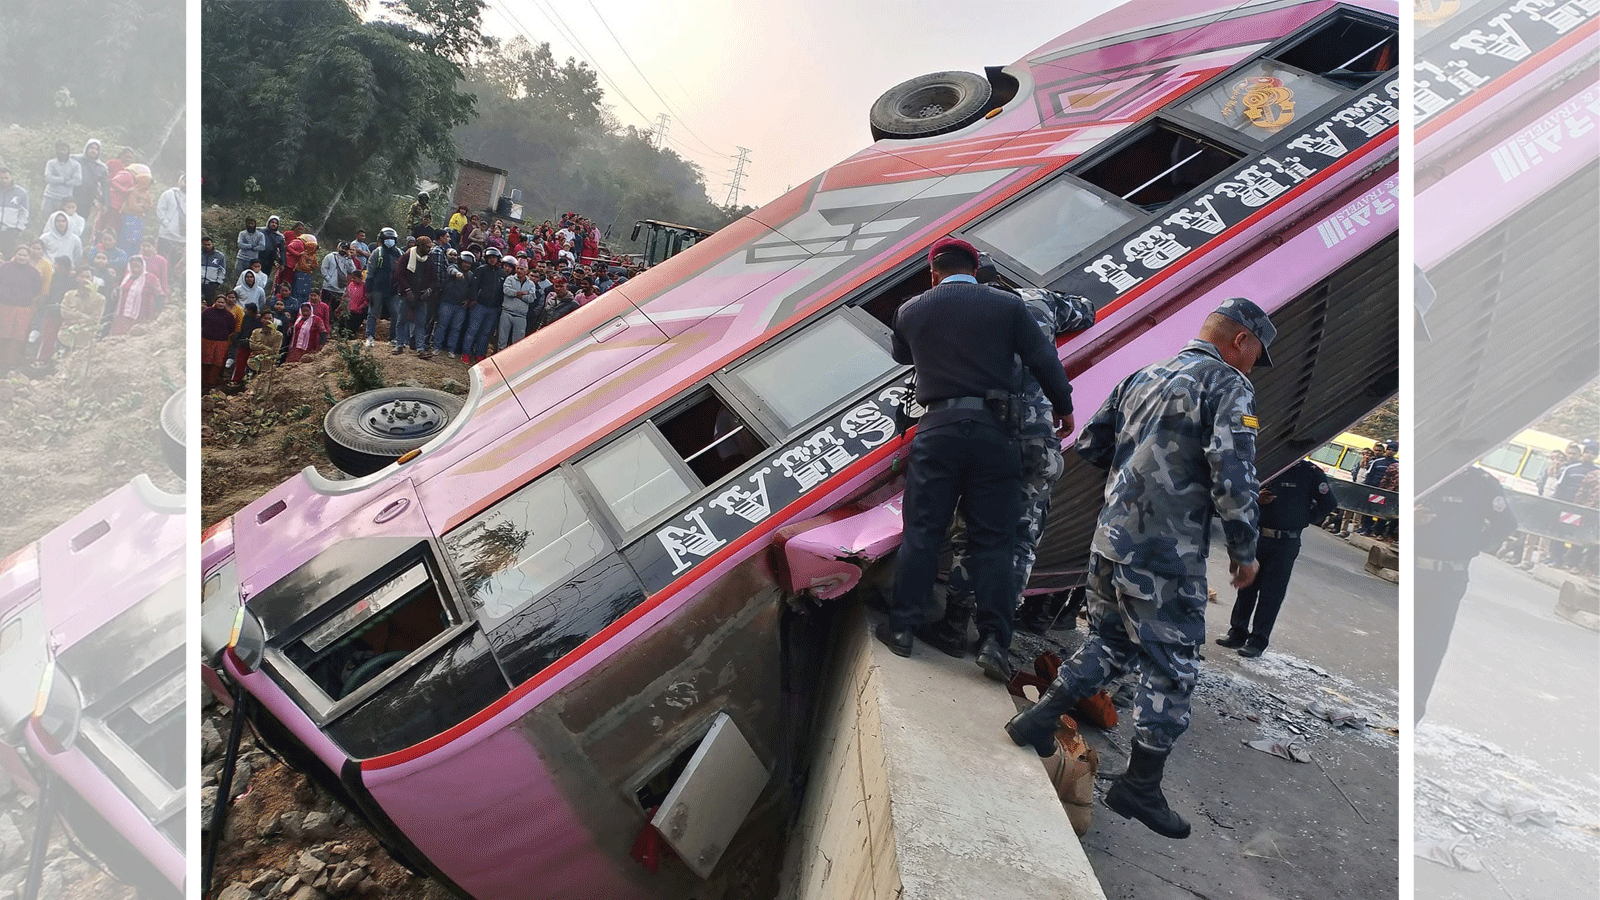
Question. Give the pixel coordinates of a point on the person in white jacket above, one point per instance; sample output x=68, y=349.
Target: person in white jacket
x=59, y=240
x=172, y=212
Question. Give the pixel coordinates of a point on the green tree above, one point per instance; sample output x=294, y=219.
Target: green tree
x=324, y=109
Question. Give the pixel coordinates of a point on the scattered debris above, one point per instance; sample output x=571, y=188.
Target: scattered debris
x=1338, y=715
x=1265, y=846
x=1518, y=808
x=1451, y=854
x=1291, y=751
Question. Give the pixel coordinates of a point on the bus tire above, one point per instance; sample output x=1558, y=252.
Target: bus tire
x=930, y=104
x=173, y=448
x=372, y=429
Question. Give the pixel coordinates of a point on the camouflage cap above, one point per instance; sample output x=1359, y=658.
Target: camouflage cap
x=1252, y=317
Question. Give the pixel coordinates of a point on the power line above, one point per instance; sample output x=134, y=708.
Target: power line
x=629, y=57
x=561, y=30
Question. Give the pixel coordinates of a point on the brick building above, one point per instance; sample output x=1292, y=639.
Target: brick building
x=481, y=187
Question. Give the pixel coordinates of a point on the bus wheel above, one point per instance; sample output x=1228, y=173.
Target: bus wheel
x=172, y=430
x=372, y=429
x=929, y=105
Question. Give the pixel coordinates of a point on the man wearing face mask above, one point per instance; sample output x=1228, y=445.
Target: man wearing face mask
x=252, y=244
x=381, y=285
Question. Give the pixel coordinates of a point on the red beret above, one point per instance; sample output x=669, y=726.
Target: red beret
x=953, y=243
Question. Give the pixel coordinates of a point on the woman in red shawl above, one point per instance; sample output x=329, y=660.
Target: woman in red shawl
x=305, y=334
x=216, y=333
x=139, y=298
x=19, y=285
x=322, y=311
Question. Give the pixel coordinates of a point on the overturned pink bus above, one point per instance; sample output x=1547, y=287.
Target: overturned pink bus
x=570, y=648
x=1507, y=218
x=92, y=686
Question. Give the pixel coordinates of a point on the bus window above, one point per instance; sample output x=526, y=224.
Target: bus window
x=815, y=369
x=1158, y=166
x=1504, y=458
x=372, y=634
x=710, y=437
x=636, y=478
x=1049, y=226
x=1327, y=454
x=1263, y=98
x=522, y=547
x=1346, y=50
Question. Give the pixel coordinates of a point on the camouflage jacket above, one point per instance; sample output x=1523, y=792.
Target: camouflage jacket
x=1179, y=437
x=1056, y=314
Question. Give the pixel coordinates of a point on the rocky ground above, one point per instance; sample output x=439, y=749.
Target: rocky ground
x=85, y=426
x=285, y=839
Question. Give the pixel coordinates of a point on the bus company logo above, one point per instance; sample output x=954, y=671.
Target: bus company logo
x=1154, y=248
x=1322, y=140
x=868, y=424
x=1429, y=12
x=1254, y=186
x=1500, y=40
x=1428, y=96
x=747, y=502
x=1558, y=16
x=1201, y=216
x=1111, y=272
x=1568, y=126
x=1370, y=208
x=810, y=462
x=695, y=539
x=1370, y=115
x=1267, y=103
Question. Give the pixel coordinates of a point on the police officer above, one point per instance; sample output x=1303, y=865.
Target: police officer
x=1042, y=466
x=962, y=338
x=1290, y=502
x=1461, y=518
x=1179, y=437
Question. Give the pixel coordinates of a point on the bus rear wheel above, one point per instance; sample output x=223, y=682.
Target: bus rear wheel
x=930, y=104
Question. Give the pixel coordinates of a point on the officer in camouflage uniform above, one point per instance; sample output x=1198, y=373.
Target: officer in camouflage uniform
x=1179, y=440
x=1042, y=465
x=1461, y=518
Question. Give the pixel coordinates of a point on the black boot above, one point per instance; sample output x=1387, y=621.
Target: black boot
x=949, y=634
x=1038, y=612
x=1233, y=640
x=1137, y=794
x=1036, y=726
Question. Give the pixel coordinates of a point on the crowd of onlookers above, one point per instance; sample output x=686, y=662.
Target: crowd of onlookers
x=1571, y=476
x=95, y=255
x=466, y=288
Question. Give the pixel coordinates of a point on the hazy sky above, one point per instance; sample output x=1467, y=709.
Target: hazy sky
x=792, y=81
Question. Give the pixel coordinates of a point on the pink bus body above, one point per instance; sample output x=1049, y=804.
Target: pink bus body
x=1507, y=218
x=93, y=618
x=507, y=653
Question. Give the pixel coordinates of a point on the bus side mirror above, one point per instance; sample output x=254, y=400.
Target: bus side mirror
x=635, y=235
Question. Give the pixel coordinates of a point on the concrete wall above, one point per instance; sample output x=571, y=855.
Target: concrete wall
x=917, y=793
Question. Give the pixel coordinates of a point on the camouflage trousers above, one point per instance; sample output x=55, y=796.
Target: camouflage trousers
x=1126, y=632
x=1042, y=466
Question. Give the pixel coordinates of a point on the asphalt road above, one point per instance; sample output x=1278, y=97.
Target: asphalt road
x=1266, y=827
x=1515, y=716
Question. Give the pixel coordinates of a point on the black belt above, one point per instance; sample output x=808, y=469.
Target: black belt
x=1280, y=533
x=1439, y=565
x=956, y=403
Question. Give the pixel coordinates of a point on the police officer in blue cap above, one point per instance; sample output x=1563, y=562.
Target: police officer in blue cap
x=1179, y=439
x=963, y=338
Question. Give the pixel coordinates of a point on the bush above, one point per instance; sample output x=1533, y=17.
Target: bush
x=362, y=371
